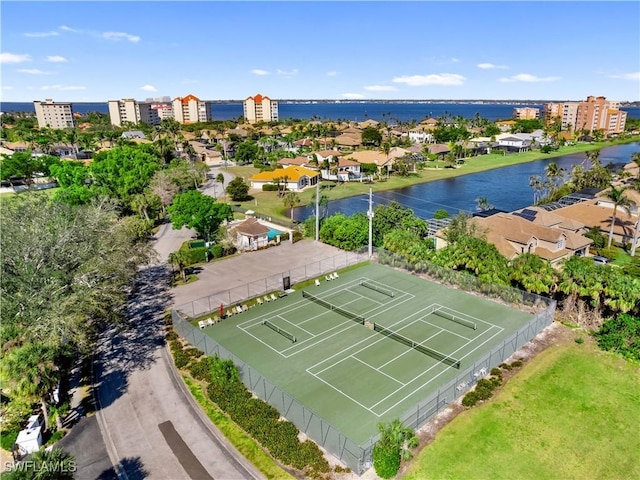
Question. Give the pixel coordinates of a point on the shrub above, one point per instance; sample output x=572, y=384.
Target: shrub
x=195, y=255
x=622, y=335
x=579, y=340
x=193, y=352
x=496, y=372
x=505, y=366
x=470, y=399
x=270, y=187
x=8, y=438
x=217, y=251
x=484, y=389
x=386, y=460
x=516, y=364
x=297, y=236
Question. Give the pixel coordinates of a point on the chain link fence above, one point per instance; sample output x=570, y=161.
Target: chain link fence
x=211, y=303
x=356, y=456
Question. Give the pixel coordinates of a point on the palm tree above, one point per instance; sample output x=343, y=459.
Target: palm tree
x=179, y=259
x=396, y=434
x=635, y=158
x=619, y=199
x=220, y=179
x=45, y=464
x=291, y=199
x=483, y=204
x=32, y=372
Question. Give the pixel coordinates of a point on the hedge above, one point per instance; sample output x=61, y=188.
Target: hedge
x=386, y=459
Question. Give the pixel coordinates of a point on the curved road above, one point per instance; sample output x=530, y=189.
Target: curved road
x=150, y=425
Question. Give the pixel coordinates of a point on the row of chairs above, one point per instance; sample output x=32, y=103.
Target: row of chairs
x=328, y=278
x=208, y=322
x=267, y=298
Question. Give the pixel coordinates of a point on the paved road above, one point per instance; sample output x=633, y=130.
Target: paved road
x=143, y=403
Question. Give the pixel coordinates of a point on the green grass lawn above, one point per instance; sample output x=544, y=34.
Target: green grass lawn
x=572, y=413
x=270, y=205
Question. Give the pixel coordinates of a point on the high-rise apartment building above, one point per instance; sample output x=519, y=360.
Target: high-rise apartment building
x=260, y=109
x=526, y=113
x=52, y=114
x=596, y=113
x=190, y=109
x=130, y=110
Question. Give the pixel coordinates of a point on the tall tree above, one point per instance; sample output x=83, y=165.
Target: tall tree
x=200, y=212
x=619, y=199
x=291, y=199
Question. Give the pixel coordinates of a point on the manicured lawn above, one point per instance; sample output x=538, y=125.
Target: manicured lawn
x=268, y=204
x=572, y=413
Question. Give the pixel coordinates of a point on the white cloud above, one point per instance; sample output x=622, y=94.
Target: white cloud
x=149, y=88
x=445, y=79
x=121, y=36
x=352, y=96
x=288, y=73
x=56, y=59
x=68, y=29
x=41, y=34
x=332, y=74
x=528, y=78
x=490, y=66
x=257, y=71
x=14, y=57
x=380, y=88
x=33, y=71
x=63, y=87
x=627, y=76
x=454, y=60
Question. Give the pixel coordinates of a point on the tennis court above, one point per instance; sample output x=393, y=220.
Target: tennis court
x=367, y=346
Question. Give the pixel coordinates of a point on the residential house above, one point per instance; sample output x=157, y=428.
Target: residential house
x=299, y=161
x=505, y=125
x=514, y=235
x=512, y=143
x=383, y=162
x=598, y=213
x=421, y=134
x=294, y=178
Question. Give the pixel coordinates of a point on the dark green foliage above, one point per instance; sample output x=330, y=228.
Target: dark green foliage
x=8, y=438
x=201, y=370
x=496, y=372
x=506, y=366
x=371, y=137
x=347, y=233
x=238, y=189
x=45, y=465
x=621, y=334
x=297, y=236
x=198, y=211
x=195, y=255
x=217, y=251
x=440, y=214
x=517, y=363
x=270, y=187
x=386, y=460
x=470, y=399
x=579, y=340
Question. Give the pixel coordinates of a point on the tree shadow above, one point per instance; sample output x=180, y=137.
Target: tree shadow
x=131, y=466
x=133, y=345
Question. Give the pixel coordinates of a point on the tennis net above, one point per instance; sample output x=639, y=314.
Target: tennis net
x=416, y=346
x=277, y=329
x=453, y=318
x=335, y=308
x=373, y=286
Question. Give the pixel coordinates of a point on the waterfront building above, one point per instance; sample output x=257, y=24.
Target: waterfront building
x=130, y=110
x=292, y=178
x=190, y=109
x=260, y=109
x=52, y=114
x=595, y=113
x=526, y=113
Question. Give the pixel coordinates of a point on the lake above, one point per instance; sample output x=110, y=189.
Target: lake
x=506, y=188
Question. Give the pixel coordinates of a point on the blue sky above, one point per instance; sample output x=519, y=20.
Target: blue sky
x=97, y=51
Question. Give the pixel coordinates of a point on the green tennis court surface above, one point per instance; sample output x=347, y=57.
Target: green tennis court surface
x=417, y=335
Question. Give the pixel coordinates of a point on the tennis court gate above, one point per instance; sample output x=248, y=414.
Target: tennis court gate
x=357, y=457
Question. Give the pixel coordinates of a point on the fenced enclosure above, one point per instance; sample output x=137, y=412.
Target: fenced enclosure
x=353, y=450
x=270, y=284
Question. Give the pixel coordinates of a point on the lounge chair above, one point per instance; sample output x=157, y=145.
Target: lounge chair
x=317, y=282
x=210, y=321
x=328, y=278
x=201, y=324
x=335, y=275
x=266, y=298
x=238, y=309
x=216, y=319
x=245, y=307
x=259, y=301
x=274, y=297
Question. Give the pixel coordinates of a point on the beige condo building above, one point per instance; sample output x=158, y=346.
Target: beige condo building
x=52, y=114
x=130, y=110
x=526, y=113
x=595, y=113
x=260, y=109
x=190, y=109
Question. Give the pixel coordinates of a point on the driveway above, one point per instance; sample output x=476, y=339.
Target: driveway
x=149, y=424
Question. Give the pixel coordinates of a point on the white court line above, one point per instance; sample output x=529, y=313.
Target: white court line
x=405, y=353
x=345, y=395
x=436, y=376
x=447, y=330
x=377, y=370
